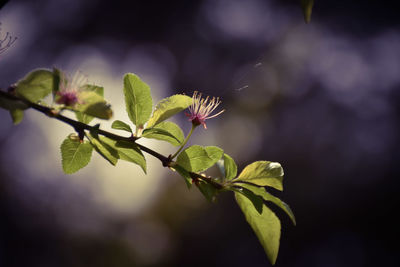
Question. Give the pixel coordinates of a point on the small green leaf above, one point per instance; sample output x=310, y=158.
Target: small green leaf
x=88, y=100
x=75, y=155
x=120, y=125
x=266, y=226
x=166, y=131
x=17, y=115
x=196, y=158
x=262, y=173
x=137, y=99
x=307, y=6
x=185, y=175
x=93, y=105
x=260, y=191
x=208, y=191
x=36, y=85
x=230, y=167
x=100, y=110
x=12, y=104
x=168, y=107
x=106, y=151
x=127, y=151
x=255, y=199
x=82, y=117
x=93, y=88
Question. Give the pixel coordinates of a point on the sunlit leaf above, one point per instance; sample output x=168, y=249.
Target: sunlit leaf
x=196, y=158
x=255, y=199
x=93, y=88
x=17, y=115
x=230, y=167
x=263, y=173
x=137, y=99
x=88, y=99
x=36, y=85
x=93, y=104
x=105, y=150
x=208, y=190
x=165, y=131
x=168, y=107
x=100, y=110
x=266, y=226
x=260, y=191
x=82, y=117
x=75, y=155
x=120, y=125
x=127, y=151
x=185, y=175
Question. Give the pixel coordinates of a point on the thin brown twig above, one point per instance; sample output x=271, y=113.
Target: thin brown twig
x=80, y=126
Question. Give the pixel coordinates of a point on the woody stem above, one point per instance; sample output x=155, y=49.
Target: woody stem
x=79, y=127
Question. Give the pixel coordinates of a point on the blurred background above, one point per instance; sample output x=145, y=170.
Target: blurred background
x=322, y=99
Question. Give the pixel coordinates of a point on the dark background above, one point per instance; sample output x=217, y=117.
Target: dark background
x=324, y=102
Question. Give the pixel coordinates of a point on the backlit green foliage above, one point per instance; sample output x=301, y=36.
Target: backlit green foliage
x=75, y=154
x=197, y=158
x=138, y=100
x=190, y=163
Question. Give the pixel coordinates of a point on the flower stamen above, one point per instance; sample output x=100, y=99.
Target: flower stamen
x=69, y=89
x=201, y=109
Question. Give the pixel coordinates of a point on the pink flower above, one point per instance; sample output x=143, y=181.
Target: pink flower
x=201, y=109
x=69, y=89
x=6, y=42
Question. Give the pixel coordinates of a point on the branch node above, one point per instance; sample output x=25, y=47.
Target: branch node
x=12, y=89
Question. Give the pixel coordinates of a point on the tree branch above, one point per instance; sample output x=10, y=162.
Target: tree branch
x=80, y=126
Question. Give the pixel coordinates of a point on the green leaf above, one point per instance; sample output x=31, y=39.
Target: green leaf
x=138, y=99
x=260, y=191
x=262, y=173
x=255, y=199
x=166, y=131
x=168, y=107
x=94, y=131
x=230, y=167
x=93, y=105
x=127, y=151
x=82, y=117
x=307, y=6
x=208, y=191
x=75, y=155
x=105, y=150
x=100, y=110
x=196, y=158
x=266, y=226
x=36, y=85
x=89, y=99
x=185, y=175
x=12, y=104
x=93, y=88
x=120, y=125
x=17, y=115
